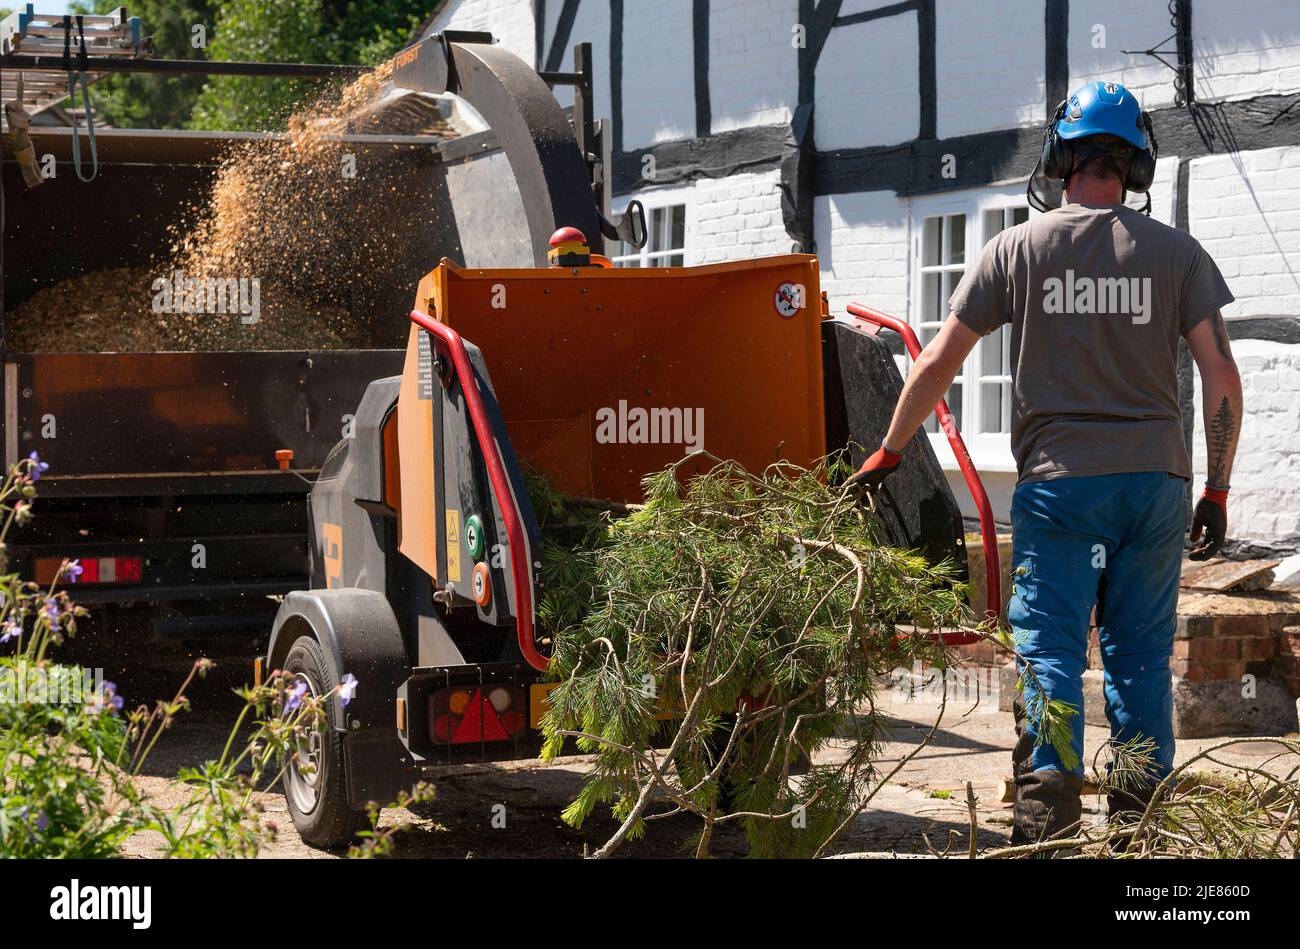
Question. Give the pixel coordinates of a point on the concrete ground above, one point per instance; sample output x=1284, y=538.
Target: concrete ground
x=924, y=801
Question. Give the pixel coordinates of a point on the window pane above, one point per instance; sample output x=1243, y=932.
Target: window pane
x=676, y=260
x=932, y=302
x=930, y=235
x=993, y=221
x=991, y=408
x=658, y=234
x=956, y=247
x=679, y=226
x=1019, y=215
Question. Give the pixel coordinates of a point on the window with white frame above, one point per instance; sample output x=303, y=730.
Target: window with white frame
x=665, y=244
x=950, y=232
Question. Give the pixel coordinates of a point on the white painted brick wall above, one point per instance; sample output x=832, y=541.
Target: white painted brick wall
x=867, y=91
x=591, y=25
x=1245, y=210
x=658, y=73
x=1265, y=501
x=1164, y=192
x=1128, y=24
x=736, y=218
x=990, y=65
x=1245, y=48
x=753, y=64
x=510, y=21
x=1241, y=48
x=862, y=246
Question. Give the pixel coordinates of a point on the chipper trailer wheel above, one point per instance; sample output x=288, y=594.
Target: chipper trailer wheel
x=317, y=792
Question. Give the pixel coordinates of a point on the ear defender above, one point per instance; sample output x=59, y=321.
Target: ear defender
x=1142, y=169
x=1057, y=160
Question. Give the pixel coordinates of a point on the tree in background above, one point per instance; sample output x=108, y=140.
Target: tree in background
x=261, y=31
x=362, y=32
x=156, y=100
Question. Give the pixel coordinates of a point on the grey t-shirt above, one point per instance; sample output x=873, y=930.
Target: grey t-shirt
x=1097, y=298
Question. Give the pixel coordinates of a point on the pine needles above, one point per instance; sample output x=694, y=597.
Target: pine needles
x=711, y=641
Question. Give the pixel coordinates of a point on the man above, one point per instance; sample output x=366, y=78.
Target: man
x=1097, y=295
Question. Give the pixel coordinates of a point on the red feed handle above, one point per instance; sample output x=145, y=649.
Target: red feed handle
x=988, y=532
x=500, y=485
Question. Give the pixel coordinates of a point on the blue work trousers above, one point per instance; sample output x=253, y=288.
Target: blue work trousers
x=1115, y=542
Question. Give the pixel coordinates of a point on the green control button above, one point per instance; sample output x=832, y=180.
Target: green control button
x=474, y=537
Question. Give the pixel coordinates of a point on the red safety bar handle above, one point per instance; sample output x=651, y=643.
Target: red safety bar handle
x=988, y=532
x=500, y=485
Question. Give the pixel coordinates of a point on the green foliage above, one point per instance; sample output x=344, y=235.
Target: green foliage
x=70, y=753
x=763, y=612
x=363, y=32
x=261, y=31
x=1053, y=718
x=156, y=100
x=371, y=31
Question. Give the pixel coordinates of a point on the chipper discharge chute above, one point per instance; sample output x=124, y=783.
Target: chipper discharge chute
x=425, y=547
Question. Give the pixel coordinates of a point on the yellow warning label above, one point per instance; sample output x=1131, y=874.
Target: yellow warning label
x=453, y=546
x=332, y=553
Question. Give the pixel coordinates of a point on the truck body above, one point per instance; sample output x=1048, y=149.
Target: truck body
x=163, y=479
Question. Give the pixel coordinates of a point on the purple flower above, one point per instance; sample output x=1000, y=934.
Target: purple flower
x=42, y=821
x=38, y=467
x=74, y=570
x=111, y=697
x=51, y=610
x=348, y=689
x=11, y=630
x=295, y=693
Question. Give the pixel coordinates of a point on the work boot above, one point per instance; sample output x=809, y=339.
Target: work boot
x=1047, y=803
x=1126, y=807
x=1047, y=807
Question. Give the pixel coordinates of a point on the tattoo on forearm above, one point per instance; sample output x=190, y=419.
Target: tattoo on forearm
x=1220, y=335
x=1220, y=433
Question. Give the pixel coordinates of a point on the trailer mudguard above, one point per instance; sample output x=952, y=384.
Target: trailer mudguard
x=359, y=635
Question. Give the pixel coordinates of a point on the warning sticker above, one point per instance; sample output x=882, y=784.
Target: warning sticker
x=453, y=546
x=788, y=299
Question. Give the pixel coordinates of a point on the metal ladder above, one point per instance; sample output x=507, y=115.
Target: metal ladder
x=29, y=33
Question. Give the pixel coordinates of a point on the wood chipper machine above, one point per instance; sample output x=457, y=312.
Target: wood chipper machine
x=425, y=547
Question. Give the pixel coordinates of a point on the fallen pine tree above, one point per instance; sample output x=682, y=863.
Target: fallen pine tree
x=710, y=641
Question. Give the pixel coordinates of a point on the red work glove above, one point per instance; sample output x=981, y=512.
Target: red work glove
x=874, y=470
x=1210, y=516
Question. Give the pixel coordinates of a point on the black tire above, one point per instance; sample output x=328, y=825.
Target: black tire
x=318, y=803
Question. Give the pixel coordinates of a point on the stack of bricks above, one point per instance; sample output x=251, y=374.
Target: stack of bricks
x=1216, y=648
x=1212, y=646
x=1288, y=659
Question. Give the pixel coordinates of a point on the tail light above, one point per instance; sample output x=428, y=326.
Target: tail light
x=93, y=570
x=473, y=714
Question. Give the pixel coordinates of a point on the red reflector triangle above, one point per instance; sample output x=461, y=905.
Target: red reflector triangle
x=480, y=723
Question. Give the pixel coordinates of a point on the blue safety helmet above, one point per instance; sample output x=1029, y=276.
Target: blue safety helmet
x=1104, y=108
x=1098, y=108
